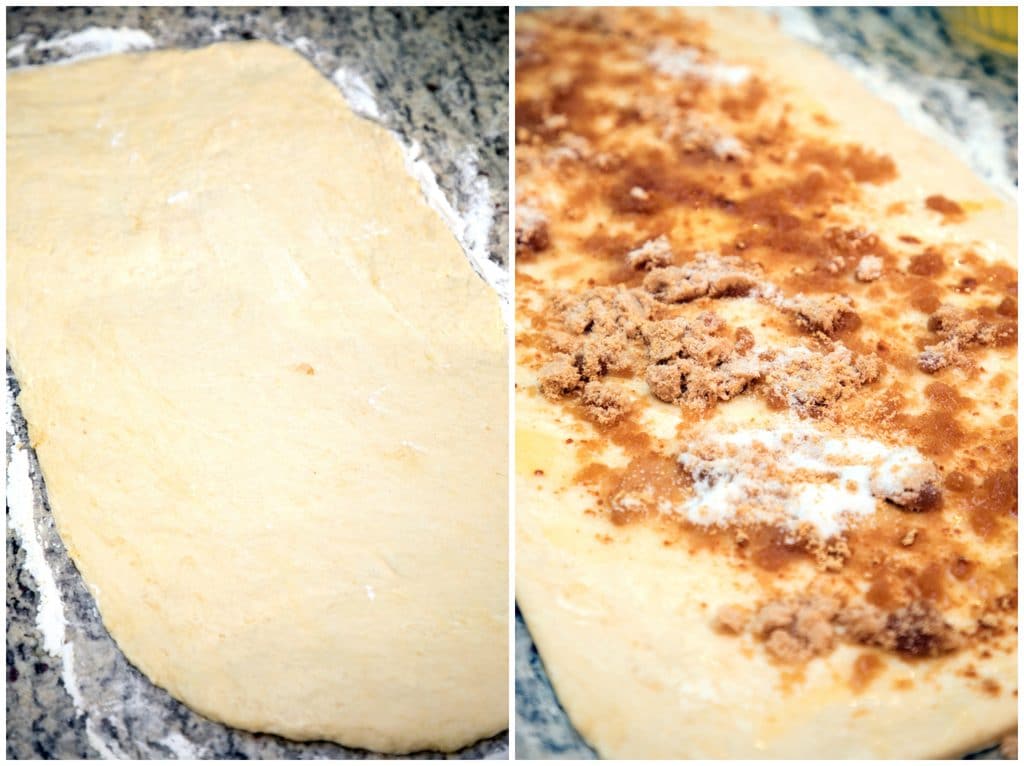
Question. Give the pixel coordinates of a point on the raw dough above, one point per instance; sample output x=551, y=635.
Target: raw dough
x=622, y=612
x=268, y=394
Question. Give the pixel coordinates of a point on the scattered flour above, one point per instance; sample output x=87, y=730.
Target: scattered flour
x=473, y=227
x=96, y=41
x=50, y=619
x=357, y=93
x=20, y=501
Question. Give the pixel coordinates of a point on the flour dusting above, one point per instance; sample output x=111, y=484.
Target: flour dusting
x=92, y=42
x=357, y=93
x=472, y=229
x=50, y=621
x=21, y=502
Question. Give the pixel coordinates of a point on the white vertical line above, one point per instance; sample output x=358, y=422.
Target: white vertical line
x=511, y=391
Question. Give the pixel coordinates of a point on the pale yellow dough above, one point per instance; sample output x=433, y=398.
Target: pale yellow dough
x=622, y=622
x=267, y=392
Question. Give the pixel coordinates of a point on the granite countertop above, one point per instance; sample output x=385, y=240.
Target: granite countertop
x=956, y=91
x=439, y=78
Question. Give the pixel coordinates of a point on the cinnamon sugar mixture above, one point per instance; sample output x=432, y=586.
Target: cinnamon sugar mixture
x=705, y=252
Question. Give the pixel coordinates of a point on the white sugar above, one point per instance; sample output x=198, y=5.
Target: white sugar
x=791, y=477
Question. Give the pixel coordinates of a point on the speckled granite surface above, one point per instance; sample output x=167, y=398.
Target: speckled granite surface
x=905, y=50
x=440, y=78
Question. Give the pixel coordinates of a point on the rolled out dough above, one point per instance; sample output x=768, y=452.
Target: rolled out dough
x=268, y=395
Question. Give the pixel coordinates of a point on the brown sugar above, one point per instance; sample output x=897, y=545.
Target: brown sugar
x=531, y=230
x=604, y=310
x=918, y=489
x=829, y=315
x=958, y=331
x=707, y=274
x=652, y=253
x=559, y=377
x=731, y=619
x=601, y=324
x=918, y=630
x=701, y=339
x=600, y=354
x=796, y=629
x=810, y=382
x=695, y=362
x=604, y=403
x=830, y=555
x=693, y=135
x=861, y=623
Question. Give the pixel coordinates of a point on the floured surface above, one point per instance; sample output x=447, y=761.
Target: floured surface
x=258, y=476
x=712, y=245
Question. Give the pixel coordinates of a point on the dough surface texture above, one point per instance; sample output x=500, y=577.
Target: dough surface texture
x=268, y=395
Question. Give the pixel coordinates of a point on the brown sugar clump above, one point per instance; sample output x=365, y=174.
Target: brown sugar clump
x=694, y=135
x=652, y=253
x=916, y=489
x=830, y=555
x=601, y=324
x=935, y=358
x=598, y=355
x=700, y=339
x=694, y=362
x=918, y=630
x=559, y=377
x=689, y=382
x=958, y=331
x=828, y=316
x=810, y=382
x=951, y=322
x=796, y=629
x=604, y=403
x=604, y=310
x=706, y=385
x=731, y=619
x=707, y=274
x=667, y=381
x=744, y=340
x=531, y=229
x=862, y=623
